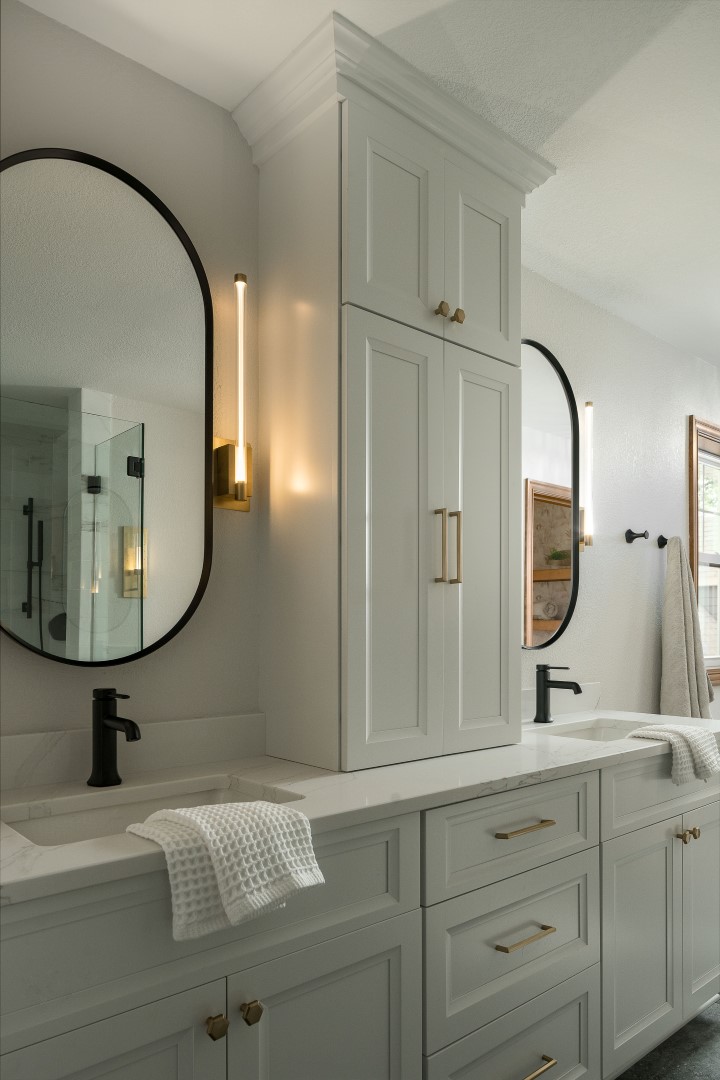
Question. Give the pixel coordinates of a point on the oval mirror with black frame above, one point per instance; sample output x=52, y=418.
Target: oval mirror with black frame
x=550, y=468
x=106, y=426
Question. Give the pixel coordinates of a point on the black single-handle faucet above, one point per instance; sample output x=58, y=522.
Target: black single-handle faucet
x=543, y=685
x=106, y=724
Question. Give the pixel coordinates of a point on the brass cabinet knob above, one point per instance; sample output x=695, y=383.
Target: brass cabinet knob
x=443, y=309
x=217, y=1026
x=459, y=316
x=251, y=1011
x=684, y=836
x=695, y=833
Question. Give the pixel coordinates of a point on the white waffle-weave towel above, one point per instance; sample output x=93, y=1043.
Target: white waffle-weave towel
x=231, y=862
x=695, y=753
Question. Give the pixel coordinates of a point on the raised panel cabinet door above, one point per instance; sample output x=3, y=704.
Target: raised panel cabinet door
x=482, y=599
x=349, y=1009
x=701, y=907
x=392, y=606
x=641, y=942
x=392, y=219
x=482, y=261
x=166, y=1040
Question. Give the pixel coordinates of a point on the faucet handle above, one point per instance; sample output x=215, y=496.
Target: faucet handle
x=107, y=693
x=551, y=667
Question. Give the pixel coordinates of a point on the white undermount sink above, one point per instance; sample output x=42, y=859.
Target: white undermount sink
x=599, y=730
x=104, y=812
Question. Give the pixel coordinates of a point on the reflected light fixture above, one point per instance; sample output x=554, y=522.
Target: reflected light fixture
x=135, y=562
x=588, y=526
x=232, y=458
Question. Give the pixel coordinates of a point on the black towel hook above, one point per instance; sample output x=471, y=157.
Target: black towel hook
x=630, y=536
x=662, y=541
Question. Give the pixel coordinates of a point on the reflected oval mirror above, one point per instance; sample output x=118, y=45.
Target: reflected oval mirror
x=106, y=423
x=550, y=469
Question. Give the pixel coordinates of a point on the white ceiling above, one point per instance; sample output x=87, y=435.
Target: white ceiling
x=623, y=96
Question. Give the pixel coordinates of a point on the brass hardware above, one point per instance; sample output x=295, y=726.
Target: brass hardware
x=444, y=557
x=684, y=836
x=544, y=931
x=695, y=833
x=227, y=495
x=545, y=823
x=543, y=1068
x=459, y=316
x=443, y=309
x=251, y=1011
x=135, y=562
x=457, y=580
x=217, y=1026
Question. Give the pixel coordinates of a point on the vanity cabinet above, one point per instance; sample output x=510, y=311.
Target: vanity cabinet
x=165, y=1040
x=431, y=432
x=422, y=226
x=661, y=909
x=382, y=197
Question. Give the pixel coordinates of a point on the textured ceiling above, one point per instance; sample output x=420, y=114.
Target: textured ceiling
x=623, y=96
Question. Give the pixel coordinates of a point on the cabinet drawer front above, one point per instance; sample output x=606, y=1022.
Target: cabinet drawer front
x=462, y=851
x=546, y=922
x=562, y=1024
x=637, y=793
x=701, y=908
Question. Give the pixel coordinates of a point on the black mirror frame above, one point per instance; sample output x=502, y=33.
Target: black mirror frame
x=575, y=469
x=167, y=214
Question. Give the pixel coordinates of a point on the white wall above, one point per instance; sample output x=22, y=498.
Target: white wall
x=643, y=391
x=61, y=89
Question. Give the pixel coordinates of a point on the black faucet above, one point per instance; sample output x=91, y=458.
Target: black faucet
x=543, y=685
x=106, y=724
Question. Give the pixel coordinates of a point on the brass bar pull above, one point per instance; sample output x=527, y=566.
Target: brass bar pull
x=543, y=1068
x=684, y=836
x=545, y=823
x=444, y=570
x=544, y=931
x=695, y=833
x=459, y=567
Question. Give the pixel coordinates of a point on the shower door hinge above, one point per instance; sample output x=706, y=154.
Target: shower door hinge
x=94, y=485
x=136, y=467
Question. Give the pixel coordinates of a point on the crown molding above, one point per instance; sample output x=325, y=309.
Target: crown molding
x=326, y=67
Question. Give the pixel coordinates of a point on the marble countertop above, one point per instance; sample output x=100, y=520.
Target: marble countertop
x=330, y=800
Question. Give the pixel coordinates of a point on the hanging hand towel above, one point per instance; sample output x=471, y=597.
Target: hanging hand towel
x=231, y=862
x=685, y=688
x=695, y=752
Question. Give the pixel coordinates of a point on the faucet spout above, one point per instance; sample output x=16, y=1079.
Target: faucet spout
x=129, y=727
x=556, y=684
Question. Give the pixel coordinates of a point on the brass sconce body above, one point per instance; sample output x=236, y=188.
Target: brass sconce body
x=230, y=494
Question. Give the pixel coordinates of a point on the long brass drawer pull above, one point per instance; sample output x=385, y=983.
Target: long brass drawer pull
x=545, y=823
x=457, y=580
x=543, y=1068
x=544, y=931
x=444, y=557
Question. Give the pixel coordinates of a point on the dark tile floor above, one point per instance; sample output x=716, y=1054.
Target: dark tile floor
x=693, y=1053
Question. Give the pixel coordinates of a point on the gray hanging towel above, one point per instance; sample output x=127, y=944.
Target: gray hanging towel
x=685, y=688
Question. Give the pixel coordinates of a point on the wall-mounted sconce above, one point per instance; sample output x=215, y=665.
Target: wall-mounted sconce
x=135, y=562
x=588, y=522
x=232, y=458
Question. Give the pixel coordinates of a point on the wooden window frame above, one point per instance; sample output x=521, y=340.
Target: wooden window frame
x=701, y=431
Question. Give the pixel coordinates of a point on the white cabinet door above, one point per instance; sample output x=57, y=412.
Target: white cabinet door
x=392, y=219
x=482, y=261
x=348, y=1009
x=393, y=484
x=641, y=942
x=166, y=1040
x=482, y=603
x=701, y=908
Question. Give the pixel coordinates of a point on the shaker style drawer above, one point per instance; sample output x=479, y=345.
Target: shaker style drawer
x=558, y=1032
x=638, y=793
x=475, y=843
x=489, y=951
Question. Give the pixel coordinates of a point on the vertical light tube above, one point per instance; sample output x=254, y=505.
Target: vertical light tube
x=240, y=460
x=589, y=527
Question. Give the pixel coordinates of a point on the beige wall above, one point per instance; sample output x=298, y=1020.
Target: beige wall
x=61, y=89
x=643, y=391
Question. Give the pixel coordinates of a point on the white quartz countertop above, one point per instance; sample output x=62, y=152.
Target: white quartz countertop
x=330, y=800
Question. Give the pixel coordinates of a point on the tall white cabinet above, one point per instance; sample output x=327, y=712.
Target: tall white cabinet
x=389, y=431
